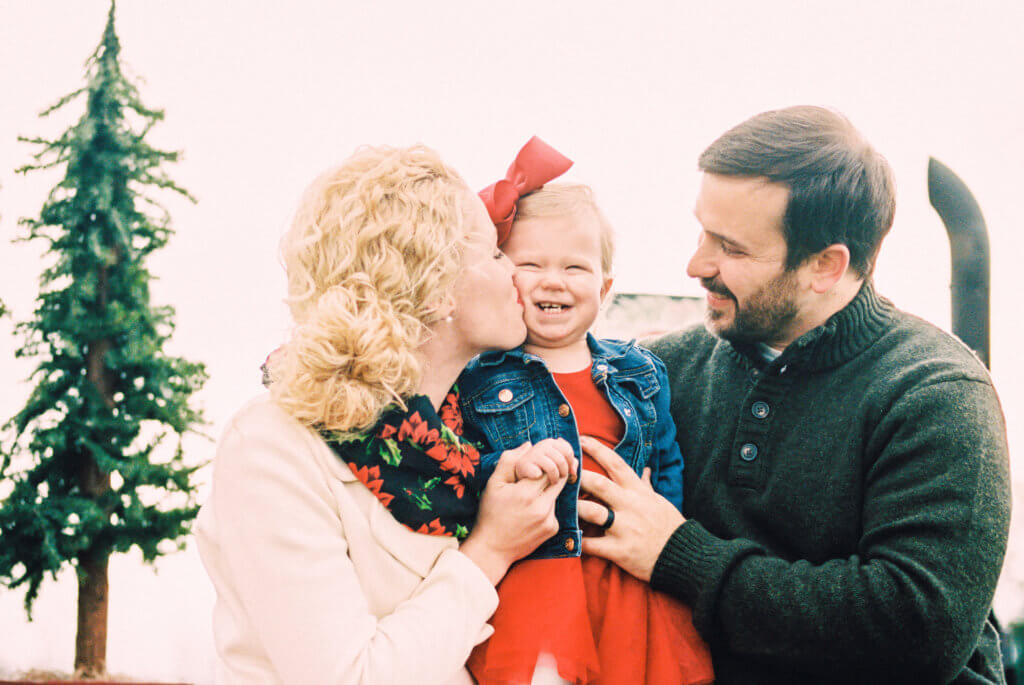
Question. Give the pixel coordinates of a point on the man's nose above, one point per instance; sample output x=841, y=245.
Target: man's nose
x=701, y=264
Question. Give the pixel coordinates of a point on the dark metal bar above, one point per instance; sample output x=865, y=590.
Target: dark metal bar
x=968, y=242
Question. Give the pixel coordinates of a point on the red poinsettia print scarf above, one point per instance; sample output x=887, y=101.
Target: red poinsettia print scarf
x=418, y=466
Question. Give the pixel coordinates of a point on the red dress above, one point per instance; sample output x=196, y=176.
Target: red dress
x=600, y=624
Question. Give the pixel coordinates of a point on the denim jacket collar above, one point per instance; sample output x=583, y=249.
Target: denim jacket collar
x=606, y=351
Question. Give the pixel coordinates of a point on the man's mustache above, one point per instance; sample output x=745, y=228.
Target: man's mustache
x=713, y=285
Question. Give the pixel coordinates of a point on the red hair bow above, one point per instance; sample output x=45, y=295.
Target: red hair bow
x=536, y=164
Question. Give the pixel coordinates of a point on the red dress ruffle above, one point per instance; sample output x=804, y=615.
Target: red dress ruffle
x=601, y=624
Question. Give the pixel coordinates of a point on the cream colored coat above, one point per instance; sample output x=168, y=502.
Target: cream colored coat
x=316, y=582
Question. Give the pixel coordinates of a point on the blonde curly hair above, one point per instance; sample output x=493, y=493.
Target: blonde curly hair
x=373, y=251
x=574, y=200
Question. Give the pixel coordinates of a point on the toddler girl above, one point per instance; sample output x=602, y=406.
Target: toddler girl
x=560, y=616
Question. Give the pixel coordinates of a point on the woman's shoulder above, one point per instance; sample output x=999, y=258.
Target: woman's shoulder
x=262, y=431
x=262, y=416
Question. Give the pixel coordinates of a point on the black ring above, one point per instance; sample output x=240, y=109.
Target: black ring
x=608, y=521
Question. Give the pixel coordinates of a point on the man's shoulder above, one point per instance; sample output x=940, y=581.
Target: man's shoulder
x=914, y=345
x=682, y=345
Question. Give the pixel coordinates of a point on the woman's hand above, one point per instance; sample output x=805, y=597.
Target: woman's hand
x=644, y=520
x=514, y=517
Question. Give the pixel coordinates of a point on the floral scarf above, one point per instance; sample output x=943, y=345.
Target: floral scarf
x=418, y=465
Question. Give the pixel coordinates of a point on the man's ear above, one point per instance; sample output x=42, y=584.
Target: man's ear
x=828, y=267
x=606, y=288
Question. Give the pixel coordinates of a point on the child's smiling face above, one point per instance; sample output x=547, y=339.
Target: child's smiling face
x=559, y=277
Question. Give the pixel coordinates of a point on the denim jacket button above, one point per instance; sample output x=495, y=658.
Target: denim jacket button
x=505, y=395
x=563, y=409
x=627, y=411
x=570, y=544
x=602, y=367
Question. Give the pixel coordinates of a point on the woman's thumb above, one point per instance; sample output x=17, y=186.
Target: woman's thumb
x=505, y=469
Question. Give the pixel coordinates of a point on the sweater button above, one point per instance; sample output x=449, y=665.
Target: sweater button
x=755, y=374
x=748, y=452
x=760, y=409
x=570, y=544
x=563, y=410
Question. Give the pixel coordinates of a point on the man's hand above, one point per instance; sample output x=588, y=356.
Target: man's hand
x=644, y=520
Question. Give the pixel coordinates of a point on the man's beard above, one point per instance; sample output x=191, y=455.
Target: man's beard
x=766, y=317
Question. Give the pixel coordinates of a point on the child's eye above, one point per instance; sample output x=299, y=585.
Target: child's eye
x=498, y=254
x=526, y=265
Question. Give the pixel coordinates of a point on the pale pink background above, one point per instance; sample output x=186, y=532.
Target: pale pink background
x=262, y=95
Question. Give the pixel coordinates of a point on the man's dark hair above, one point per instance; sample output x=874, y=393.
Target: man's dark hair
x=841, y=190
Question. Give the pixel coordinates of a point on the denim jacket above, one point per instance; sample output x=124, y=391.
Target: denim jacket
x=509, y=398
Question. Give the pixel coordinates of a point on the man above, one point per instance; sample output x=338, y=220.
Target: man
x=846, y=490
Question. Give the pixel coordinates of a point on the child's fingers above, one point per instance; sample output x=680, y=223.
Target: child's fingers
x=561, y=452
x=646, y=475
x=557, y=459
x=505, y=470
x=528, y=469
x=563, y=446
x=551, y=491
x=551, y=469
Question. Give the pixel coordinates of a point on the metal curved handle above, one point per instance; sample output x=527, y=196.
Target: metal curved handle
x=968, y=242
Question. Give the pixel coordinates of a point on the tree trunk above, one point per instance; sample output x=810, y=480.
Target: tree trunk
x=94, y=482
x=91, y=639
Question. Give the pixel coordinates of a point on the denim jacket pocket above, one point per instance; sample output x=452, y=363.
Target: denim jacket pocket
x=504, y=411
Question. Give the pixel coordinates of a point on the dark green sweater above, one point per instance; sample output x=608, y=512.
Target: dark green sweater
x=848, y=503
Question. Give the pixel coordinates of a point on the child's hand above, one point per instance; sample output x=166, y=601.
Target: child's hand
x=551, y=457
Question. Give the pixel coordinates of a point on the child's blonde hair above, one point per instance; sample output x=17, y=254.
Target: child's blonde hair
x=374, y=249
x=574, y=200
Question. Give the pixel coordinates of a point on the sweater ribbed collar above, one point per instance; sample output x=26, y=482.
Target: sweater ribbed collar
x=845, y=335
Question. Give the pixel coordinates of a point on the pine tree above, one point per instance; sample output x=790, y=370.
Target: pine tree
x=93, y=463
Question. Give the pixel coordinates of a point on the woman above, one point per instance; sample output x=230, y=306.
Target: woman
x=395, y=282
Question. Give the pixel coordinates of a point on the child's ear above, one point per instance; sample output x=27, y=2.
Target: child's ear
x=606, y=288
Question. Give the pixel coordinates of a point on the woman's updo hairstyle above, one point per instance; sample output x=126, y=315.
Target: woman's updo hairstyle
x=373, y=251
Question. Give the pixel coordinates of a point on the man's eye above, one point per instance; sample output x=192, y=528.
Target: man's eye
x=731, y=250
